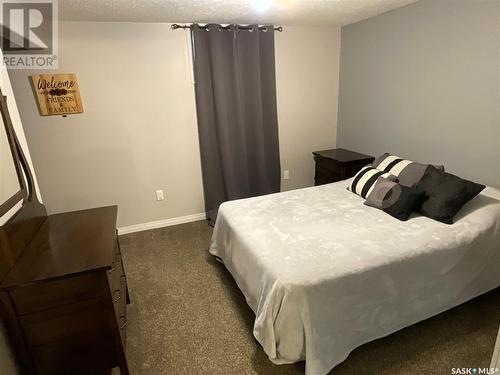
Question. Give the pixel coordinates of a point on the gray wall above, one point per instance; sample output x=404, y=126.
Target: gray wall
x=423, y=82
x=138, y=132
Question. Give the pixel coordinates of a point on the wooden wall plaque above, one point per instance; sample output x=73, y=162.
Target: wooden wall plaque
x=57, y=94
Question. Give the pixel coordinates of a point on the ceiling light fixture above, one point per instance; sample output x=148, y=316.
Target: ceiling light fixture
x=261, y=5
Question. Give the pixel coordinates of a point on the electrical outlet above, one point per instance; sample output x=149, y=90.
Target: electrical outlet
x=159, y=195
x=286, y=174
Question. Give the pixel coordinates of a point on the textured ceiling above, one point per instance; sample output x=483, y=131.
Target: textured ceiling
x=282, y=12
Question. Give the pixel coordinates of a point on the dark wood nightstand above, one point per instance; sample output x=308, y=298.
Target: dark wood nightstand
x=338, y=164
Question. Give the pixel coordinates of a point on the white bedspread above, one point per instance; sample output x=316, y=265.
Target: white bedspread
x=325, y=274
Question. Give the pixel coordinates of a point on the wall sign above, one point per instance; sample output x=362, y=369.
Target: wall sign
x=57, y=94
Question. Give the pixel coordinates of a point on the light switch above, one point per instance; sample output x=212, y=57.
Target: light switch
x=286, y=174
x=159, y=195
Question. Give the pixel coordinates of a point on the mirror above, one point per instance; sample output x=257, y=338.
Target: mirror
x=11, y=180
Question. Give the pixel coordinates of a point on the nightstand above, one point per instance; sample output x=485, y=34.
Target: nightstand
x=338, y=164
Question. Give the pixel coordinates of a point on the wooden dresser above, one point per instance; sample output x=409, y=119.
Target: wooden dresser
x=64, y=300
x=338, y=164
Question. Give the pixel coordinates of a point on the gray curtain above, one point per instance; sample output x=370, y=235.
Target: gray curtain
x=235, y=86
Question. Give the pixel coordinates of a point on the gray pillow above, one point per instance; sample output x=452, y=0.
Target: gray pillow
x=397, y=200
x=408, y=172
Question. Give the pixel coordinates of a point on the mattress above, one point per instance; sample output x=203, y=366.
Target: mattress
x=325, y=274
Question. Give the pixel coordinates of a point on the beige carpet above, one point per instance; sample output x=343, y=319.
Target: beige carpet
x=188, y=317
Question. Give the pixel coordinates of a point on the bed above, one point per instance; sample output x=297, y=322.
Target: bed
x=325, y=274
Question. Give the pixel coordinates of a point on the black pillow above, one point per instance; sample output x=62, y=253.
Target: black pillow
x=445, y=194
x=397, y=200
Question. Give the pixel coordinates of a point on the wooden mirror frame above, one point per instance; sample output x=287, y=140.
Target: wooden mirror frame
x=20, y=229
x=14, y=147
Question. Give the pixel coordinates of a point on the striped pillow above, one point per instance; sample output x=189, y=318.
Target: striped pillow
x=364, y=181
x=408, y=172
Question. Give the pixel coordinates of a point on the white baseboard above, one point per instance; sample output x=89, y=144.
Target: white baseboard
x=161, y=223
x=495, y=361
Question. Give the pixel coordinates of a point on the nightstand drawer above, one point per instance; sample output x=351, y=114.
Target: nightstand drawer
x=328, y=165
x=337, y=165
x=351, y=170
x=325, y=175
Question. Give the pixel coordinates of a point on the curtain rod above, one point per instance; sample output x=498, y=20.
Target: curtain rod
x=261, y=28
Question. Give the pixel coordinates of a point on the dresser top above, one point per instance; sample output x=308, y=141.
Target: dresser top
x=67, y=243
x=342, y=155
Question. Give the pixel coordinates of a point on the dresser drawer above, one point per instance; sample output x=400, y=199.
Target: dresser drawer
x=55, y=293
x=79, y=354
x=115, y=273
x=119, y=297
x=122, y=325
x=118, y=291
x=65, y=322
